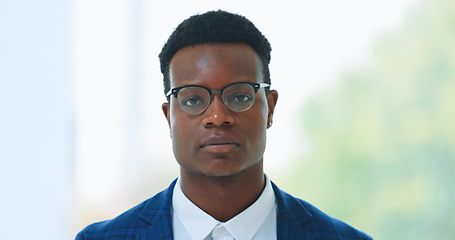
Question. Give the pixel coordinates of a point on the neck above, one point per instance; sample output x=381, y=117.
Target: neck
x=224, y=197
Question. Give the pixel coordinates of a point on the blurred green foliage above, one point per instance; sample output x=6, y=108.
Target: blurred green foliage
x=382, y=141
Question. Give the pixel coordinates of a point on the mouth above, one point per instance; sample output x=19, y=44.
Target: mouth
x=219, y=145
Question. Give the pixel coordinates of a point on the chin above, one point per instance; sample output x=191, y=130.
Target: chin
x=222, y=174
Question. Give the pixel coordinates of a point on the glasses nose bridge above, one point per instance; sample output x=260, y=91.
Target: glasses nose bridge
x=216, y=91
x=221, y=97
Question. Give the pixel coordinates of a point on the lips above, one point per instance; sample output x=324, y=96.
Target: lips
x=219, y=145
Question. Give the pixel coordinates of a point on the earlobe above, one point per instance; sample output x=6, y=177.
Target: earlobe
x=166, y=110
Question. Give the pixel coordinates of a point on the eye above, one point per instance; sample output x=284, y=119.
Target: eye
x=191, y=101
x=242, y=98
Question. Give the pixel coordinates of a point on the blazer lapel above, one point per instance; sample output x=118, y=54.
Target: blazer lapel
x=293, y=220
x=161, y=229
x=158, y=213
x=292, y=217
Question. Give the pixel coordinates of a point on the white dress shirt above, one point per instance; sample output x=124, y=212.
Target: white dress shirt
x=257, y=222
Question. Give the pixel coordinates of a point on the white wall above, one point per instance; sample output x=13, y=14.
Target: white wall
x=36, y=120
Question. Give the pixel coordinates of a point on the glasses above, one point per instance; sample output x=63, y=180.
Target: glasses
x=237, y=97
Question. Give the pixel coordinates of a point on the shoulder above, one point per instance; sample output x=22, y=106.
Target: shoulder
x=132, y=221
x=306, y=217
x=118, y=226
x=328, y=226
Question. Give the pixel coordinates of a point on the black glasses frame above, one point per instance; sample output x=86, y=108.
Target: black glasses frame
x=256, y=87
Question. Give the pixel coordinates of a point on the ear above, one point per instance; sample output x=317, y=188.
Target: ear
x=272, y=98
x=166, y=110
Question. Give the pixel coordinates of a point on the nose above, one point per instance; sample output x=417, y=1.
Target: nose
x=217, y=114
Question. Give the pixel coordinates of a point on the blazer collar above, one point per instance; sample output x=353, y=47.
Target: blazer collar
x=291, y=216
x=158, y=213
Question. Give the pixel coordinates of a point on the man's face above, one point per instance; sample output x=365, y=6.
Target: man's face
x=218, y=142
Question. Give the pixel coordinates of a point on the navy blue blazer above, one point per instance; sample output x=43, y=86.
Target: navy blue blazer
x=152, y=219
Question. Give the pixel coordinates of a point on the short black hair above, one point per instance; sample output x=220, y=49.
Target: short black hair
x=211, y=28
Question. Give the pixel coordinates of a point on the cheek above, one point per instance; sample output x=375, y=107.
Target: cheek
x=175, y=120
x=263, y=112
x=183, y=129
x=176, y=127
x=181, y=140
x=256, y=125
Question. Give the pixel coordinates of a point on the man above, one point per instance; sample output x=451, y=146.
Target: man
x=217, y=84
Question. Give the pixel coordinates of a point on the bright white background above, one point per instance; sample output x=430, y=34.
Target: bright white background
x=82, y=135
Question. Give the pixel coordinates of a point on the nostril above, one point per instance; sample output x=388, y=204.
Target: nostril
x=218, y=119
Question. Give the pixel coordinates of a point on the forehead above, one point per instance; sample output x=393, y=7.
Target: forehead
x=229, y=62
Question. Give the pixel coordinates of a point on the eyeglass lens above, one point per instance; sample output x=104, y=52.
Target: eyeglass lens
x=236, y=97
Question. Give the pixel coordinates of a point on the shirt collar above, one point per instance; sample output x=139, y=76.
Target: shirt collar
x=243, y=226
x=247, y=223
x=197, y=223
